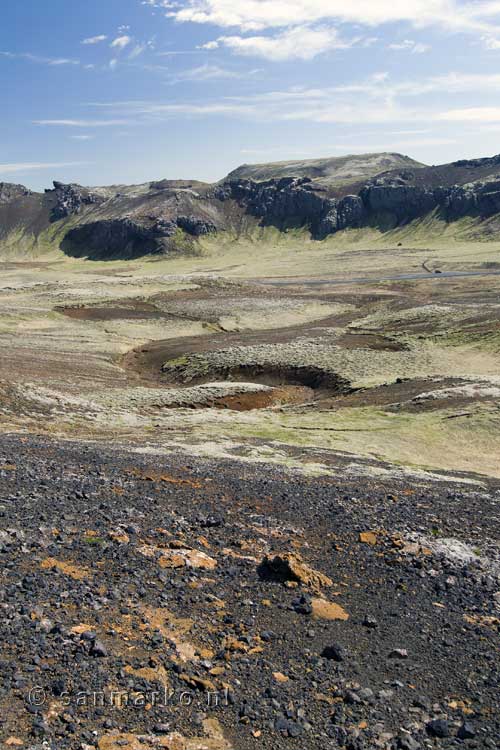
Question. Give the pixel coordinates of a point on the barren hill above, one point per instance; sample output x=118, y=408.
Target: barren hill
x=322, y=196
x=333, y=171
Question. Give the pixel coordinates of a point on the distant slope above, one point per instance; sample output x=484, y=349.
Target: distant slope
x=463, y=172
x=332, y=172
x=321, y=196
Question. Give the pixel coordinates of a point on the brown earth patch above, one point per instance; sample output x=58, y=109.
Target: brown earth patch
x=151, y=476
x=137, y=311
x=374, y=341
x=76, y=572
x=284, y=396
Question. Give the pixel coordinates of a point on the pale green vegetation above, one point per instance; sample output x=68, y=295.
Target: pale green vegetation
x=64, y=376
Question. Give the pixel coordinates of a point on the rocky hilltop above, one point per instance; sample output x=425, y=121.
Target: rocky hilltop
x=322, y=196
x=333, y=172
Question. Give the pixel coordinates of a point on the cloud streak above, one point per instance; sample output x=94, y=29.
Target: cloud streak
x=95, y=39
x=121, y=42
x=377, y=99
x=409, y=45
x=297, y=43
x=257, y=15
x=207, y=72
x=21, y=167
x=39, y=59
x=82, y=123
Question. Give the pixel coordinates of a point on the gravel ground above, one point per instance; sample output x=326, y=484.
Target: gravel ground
x=171, y=602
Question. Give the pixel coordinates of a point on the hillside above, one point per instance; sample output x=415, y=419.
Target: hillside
x=332, y=172
x=463, y=172
x=322, y=197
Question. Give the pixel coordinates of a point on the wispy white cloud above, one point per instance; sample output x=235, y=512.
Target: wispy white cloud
x=256, y=15
x=208, y=72
x=491, y=42
x=410, y=45
x=471, y=114
x=82, y=123
x=95, y=39
x=377, y=99
x=137, y=51
x=33, y=166
x=393, y=145
x=177, y=52
x=81, y=137
x=296, y=43
x=141, y=47
x=214, y=44
x=39, y=59
x=121, y=42
x=350, y=146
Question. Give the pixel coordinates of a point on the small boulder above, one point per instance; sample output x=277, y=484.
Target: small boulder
x=466, y=731
x=438, y=728
x=289, y=566
x=335, y=652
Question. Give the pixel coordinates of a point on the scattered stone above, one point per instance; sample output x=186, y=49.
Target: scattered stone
x=335, y=652
x=303, y=605
x=406, y=742
x=280, y=677
x=99, y=649
x=466, y=731
x=398, y=653
x=368, y=537
x=325, y=610
x=289, y=566
x=438, y=728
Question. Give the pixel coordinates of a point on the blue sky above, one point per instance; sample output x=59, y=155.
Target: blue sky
x=124, y=91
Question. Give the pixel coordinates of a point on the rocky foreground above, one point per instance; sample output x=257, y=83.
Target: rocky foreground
x=152, y=601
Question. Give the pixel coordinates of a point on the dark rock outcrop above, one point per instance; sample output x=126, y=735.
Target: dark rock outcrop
x=294, y=202
x=10, y=192
x=275, y=201
x=488, y=202
x=195, y=226
x=383, y=201
x=168, y=215
x=70, y=199
x=124, y=238
x=129, y=237
x=348, y=212
x=402, y=202
x=407, y=202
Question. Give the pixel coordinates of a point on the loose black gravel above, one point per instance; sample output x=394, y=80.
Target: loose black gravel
x=416, y=665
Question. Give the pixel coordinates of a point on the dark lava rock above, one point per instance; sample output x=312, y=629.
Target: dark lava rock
x=335, y=652
x=466, y=731
x=10, y=192
x=71, y=199
x=195, y=226
x=99, y=649
x=398, y=653
x=406, y=742
x=303, y=605
x=118, y=237
x=438, y=728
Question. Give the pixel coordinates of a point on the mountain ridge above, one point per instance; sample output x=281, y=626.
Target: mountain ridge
x=169, y=216
x=333, y=171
